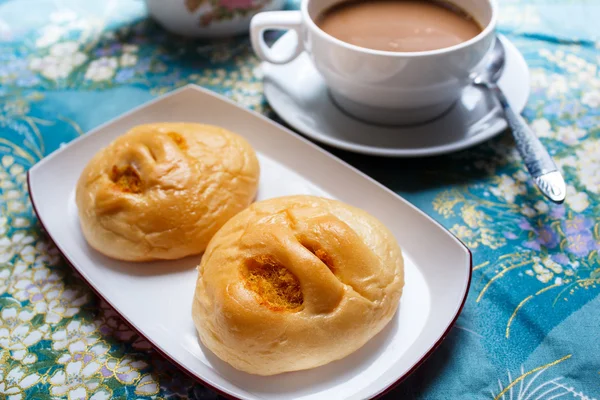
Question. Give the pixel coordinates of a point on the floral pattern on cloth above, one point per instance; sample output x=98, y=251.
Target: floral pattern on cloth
x=223, y=10
x=530, y=327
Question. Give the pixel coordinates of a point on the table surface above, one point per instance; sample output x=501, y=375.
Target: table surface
x=531, y=325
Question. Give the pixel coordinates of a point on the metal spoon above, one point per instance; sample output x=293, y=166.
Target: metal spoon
x=540, y=165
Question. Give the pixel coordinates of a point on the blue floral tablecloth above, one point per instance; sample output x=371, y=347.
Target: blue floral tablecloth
x=531, y=325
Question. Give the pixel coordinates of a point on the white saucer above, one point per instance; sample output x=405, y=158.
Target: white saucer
x=300, y=97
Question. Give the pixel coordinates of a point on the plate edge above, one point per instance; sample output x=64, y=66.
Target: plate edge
x=315, y=147
x=195, y=377
x=441, y=339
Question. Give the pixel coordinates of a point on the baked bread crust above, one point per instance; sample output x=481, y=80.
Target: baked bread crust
x=161, y=191
x=296, y=282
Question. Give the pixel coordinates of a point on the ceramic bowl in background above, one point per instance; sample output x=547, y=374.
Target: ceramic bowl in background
x=208, y=18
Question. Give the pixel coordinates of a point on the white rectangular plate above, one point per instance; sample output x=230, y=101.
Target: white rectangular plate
x=156, y=298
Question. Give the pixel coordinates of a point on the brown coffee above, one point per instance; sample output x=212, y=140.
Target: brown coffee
x=399, y=25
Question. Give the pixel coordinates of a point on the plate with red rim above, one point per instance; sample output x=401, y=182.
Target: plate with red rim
x=156, y=298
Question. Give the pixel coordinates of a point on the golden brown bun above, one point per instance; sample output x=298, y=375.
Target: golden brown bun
x=296, y=282
x=161, y=191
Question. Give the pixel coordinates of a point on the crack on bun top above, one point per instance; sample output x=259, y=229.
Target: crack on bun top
x=320, y=253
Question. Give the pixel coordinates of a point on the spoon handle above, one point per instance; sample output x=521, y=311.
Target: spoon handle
x=537, y=160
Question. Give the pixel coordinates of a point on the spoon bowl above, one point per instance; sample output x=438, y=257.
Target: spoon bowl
x=493, y=66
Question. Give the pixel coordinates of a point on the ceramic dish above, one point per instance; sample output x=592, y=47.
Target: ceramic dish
x=156, y=298
x=203, y=19
x=300, y=97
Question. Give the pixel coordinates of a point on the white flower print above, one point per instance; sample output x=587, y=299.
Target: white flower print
x=11, y=170
x=542, y=127
x=39, y=256
x=13, y=183
x=539, y=78
x=542, y=274
x=556, y=57
x=130, y=48
x=62, y=305
x=521, y=176
x=101, y=394
x=15, y=381
x=3, y=225
x=147, y=386
x=78, y=380
x=463, y=233
x=10, y=275
x=574, y=64
x=570, y=134
x=566, y=134
x=583, y=73
x=558, y=281
x=50, y=35
x=62, y=22
x=553, y=265
x=126, y=370
x=64, y=57
x=586, y=161
x=542, y=207
x=508, y=188
x=26, y=255
x=247, y=99
x=128, y=60
x=528, y=211
x=97, y=353
x=17, y=334
x=76, y=337
x=19, y=222
x=591, y=98
x=7, y=161
x=101, y=69
x=11, y=246
x=18, y=173
x=558, y=85
x=64, y=49
x=577, y=201
x=44, y=253
x=39, y=287
x=589, y=76
x=15, y=205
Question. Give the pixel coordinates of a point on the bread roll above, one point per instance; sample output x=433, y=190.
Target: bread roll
x=296, y=282
x=161, y=191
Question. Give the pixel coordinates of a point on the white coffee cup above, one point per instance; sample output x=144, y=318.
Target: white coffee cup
x=381, y=86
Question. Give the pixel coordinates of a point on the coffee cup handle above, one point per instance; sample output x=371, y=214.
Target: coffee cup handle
x=287, y=20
